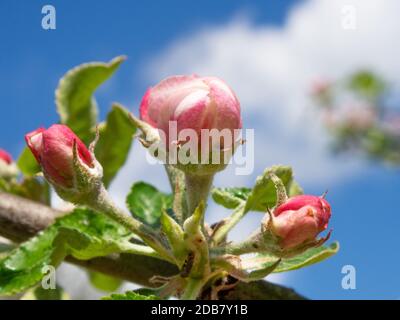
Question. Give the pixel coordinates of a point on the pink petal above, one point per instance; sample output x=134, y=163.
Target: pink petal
x=34, y=140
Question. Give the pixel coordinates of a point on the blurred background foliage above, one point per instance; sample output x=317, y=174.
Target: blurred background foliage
x=357, y=112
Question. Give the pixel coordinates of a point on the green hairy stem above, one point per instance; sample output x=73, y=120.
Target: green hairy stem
x=197, y=189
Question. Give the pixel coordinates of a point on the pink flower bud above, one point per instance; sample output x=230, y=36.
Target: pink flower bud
x=5, y=157
x=300, y=219
x=53, y=149
x=193, y=102
x=8, y=168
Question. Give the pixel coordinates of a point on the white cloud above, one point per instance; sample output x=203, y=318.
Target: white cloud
x=272, y=68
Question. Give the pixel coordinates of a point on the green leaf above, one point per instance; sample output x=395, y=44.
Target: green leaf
x=4, y=185
x=294, y=189
x=367, y=84
x=86, y=235
x=22, y=268
x=147, y=203
x=27, y=163
x=175, y=236
x=261, y=196
x=262, y=273
x=104, y=282
x=39, y=293
x=236, y=270
x=74, y=96
x=230, y=197
x=309, y=257
x=82, y=234
x=115, y=142
x=130, y=295
x=196, y=242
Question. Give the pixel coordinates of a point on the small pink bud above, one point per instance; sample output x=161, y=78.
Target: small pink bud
x=53, y=149
x=5, y=157
x=193, y=102
x=8, y=168
x=300, y=219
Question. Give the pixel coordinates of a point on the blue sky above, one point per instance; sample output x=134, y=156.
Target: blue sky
x=33, y=60
x=165, y=37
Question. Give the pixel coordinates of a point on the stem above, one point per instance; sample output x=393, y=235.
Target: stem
x=142, y=250
x=173, y=174
x=102, y=202
x=192, y=289
x=236, y=216
x=177, y=181
x=247, y=246
x=197, y=189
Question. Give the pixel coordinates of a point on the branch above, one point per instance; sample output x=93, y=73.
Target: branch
x=21, y=219
x=260, y=290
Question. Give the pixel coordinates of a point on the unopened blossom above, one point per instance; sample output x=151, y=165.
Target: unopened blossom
x=194, y=103
x=53, y=149
x=300, y=219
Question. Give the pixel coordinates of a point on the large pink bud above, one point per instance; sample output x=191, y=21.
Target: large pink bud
x=193, y=102
x=5, y=157
x=300, y=219
x=53, y=149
